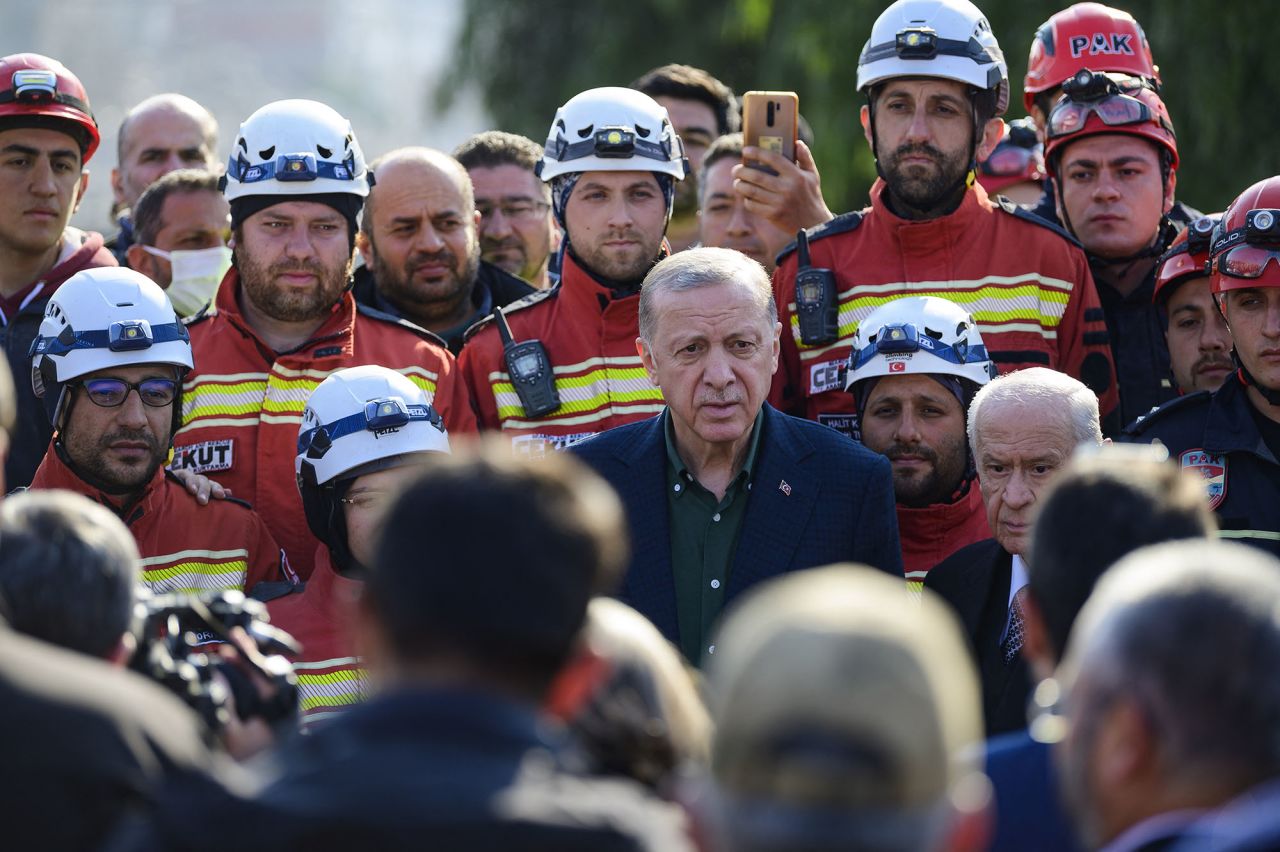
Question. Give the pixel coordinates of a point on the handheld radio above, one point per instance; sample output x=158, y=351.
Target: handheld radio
x=816, y=306
x=530, y=370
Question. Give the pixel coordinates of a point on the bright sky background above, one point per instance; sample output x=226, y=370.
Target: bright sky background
x=376, y=61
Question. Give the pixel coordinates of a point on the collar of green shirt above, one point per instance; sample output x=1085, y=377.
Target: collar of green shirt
x=682, y=469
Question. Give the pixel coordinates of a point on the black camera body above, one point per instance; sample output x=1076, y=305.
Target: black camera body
x=175, y=634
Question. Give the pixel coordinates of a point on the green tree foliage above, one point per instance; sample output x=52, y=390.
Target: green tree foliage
x=529, y=57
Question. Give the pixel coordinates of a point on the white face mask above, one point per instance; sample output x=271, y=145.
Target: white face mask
x=196, y=276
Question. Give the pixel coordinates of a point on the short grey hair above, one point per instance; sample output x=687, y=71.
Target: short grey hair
x=703, y=267
x=1041, y=387
x=1190, y=630
x=68, y=570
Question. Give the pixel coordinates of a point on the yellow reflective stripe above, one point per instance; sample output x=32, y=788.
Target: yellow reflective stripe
x=338, y=688
x=583, y=420
x=197, y=569
x=1029, y=308
x=568, y=405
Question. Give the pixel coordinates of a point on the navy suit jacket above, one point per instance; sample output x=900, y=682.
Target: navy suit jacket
x=1029, y=813
x=975, y=582
x=817, y=497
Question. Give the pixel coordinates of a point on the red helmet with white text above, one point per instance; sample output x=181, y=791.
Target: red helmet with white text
x=36, y=91
x=1245, y=248
x=1086, y=35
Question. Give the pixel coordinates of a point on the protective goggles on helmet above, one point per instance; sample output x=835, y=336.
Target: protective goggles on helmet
x=1246, y=261
x=379, y=415
x=924, y=43
x=905, y=338
x=1088, y=94
x=123, y=336
x=610, y=143
x=1009, y=160
x=292, y=167
x=1244, y=252
x=111, y=393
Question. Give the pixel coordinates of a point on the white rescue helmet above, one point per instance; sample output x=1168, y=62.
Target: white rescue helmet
x=612, y=129
x=947, y=39
x=101, y=318
x=363, y=419
x=296, y=147
x=919, y=335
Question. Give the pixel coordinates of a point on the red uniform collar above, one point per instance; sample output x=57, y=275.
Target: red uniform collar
x=54, y=473
x=975, y=201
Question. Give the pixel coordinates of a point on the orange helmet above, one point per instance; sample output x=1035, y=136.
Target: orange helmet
x=1086, y=35
x=1186, y=257
x=1094, y=103
x=40, y=92
x=1247, y=240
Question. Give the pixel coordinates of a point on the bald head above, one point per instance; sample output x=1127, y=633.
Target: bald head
x=162, y=134
x=421, y=165
x=418, y=236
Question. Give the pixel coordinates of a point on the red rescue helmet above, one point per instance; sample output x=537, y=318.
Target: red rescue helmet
x=1186, y=257
x=1245, y=247
x=1093, y=103
x=1086, y=35
x=1019, y=157
x=36, y=91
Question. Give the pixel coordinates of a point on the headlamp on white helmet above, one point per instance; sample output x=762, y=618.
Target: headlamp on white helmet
x=919, y=335
x=612, y=129
x=945, y=39
x=357, y=421
x=99, y=319
x=296, y=147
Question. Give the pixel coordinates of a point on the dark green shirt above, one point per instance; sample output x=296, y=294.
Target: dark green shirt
x=704, y=536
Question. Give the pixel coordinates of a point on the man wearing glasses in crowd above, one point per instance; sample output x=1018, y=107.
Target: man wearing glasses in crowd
x=518, y=231
x=420, y=247
x=108, y=364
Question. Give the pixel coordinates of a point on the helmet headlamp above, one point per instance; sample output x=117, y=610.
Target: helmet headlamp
x=1262, y=226
x=916, y=43
x=379, y=415
x=898, y=338
x=34, y=84
x=129, y=335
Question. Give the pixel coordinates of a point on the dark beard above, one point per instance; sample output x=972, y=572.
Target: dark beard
x=926, y=193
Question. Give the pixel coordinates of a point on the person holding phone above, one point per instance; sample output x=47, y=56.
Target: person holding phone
x=931, y=114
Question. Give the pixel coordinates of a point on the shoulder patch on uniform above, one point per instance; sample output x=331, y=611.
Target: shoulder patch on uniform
x=841, y=224
x=1025, y=215
x=201, y=315
x=270, y=590
x=1160, y=412
x=374, y=313
x=1212, y=468
x=518, y=305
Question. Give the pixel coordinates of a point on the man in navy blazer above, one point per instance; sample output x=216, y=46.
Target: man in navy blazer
x=721, y=490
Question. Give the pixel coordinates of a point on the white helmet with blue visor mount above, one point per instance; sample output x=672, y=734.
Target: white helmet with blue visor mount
x=919, y=335
x=100, y=319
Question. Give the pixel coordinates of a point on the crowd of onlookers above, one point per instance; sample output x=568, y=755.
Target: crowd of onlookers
x=614, y=493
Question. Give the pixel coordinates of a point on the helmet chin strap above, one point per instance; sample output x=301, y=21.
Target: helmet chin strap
x=1271, y=396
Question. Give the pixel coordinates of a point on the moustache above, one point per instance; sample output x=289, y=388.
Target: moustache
x=490, y=244
x=1213, y=361
x=923, y=149
x=897, y=451
x=142, y=436
x=310, y=267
